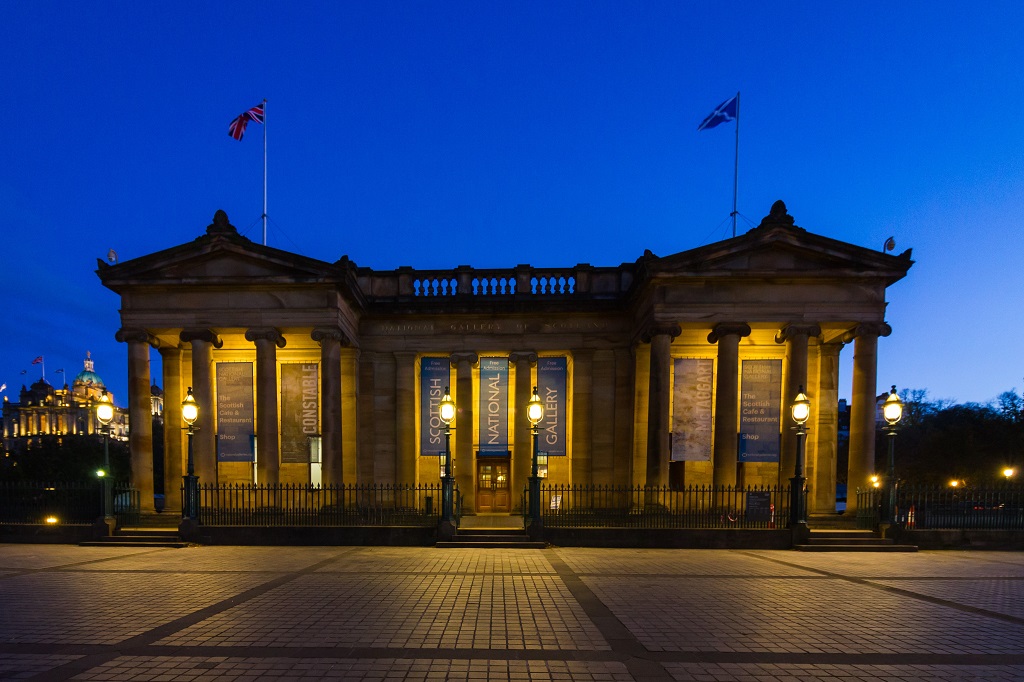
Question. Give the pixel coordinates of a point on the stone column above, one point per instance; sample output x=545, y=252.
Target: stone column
x=641, y=391
x=170, y=358
x=622, y=462
x=140, y=416
x=204, y=441
x=862, y=407
x=522, y=439
x=465, y=471
x=795, y=337
x=349, y=415
x=330, y=341
x=268, y=450
x=582, y=401
x=727, y=336
x=405, y=418
x=602, y=422
x=824, y=481
x=660, y=337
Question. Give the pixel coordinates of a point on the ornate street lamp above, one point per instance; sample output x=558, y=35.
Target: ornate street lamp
x=892, y=412
x=105, y=415
x=446, y=410
x=190, y=413
x=801, y=411
x=535, y=413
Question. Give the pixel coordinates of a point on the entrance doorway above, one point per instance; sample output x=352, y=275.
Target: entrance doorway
x=493, y=485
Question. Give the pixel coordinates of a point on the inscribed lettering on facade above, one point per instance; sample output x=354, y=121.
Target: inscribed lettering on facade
x=760, y=410
x=235, y=419
x=435, y=375
x=551, y=385
x=692, y=410
x=300, y=409
x=493, y=407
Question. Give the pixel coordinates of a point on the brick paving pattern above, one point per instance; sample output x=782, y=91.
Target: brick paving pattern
x=385, y=613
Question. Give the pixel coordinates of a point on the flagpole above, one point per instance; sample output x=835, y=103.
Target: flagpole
x=265, y=172
x=736, y=166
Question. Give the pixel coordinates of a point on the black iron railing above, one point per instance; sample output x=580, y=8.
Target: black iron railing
x=59, y=502
x=582, y=506
x=920, y=507
x=330, y=505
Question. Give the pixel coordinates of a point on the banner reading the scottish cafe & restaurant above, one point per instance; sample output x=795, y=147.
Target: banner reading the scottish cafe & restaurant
x=692, y=409
x=435, y=375
x=760, y=411
x=493, y=407
x=235, y=417
x=551, y=385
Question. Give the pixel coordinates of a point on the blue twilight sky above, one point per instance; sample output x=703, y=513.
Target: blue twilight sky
x=434, y=134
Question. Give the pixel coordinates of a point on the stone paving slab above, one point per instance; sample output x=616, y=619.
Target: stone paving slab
x=378, y=613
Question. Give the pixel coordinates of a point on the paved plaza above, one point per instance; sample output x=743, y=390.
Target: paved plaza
x=384, y=613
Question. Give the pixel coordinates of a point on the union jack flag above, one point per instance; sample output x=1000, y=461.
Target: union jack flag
x=237, y=127
x=37, y=360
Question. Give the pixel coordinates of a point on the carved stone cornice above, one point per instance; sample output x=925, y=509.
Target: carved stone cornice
x=136, y=336
x=523, y=355
x=456, y=358
x=670, y=329
x=791, y=330
x=265, y=334
x=207, y=335
x=321, y=334
x=867, y=329
x=740, y=329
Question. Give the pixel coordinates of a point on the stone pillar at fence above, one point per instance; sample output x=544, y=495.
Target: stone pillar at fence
x=204, y=441
x=659, y=402
x=268, y=459
x=727, y=336
x=170, y=358
x=863, y=408
x=140, y=416
x=795, y=337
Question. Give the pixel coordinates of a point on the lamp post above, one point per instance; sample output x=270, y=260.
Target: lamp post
x=446, y=410
x=1008, y=473
x=105, y=415
x=892, y=412
x=801, y=410
x=535, y=413
x=190, y=413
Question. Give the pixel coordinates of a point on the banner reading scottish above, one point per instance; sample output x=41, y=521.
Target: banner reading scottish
x=551, y=385
x=493, y=407
x=300, y=409
x=760, y=410
x=235, y=419
x=692, y=410
x=435, y=375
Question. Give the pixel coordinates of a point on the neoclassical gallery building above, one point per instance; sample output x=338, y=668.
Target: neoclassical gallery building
x=674, y=370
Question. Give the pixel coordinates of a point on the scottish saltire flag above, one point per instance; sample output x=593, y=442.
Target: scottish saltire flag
x=723, y=113
x=237, y=127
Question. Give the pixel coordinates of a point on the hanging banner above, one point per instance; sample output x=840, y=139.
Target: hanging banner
x=235, y=420
x=692, y=410
x=551, y=385
x=435, y=375
x=760, y=410
x=493, y=407
x=300, y=410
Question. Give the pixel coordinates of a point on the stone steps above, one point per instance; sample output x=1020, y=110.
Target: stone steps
x=493, y=538
x=138, y=537
x=837, y=540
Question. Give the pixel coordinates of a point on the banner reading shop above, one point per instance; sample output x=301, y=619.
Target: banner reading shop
x=235, y=421
x=300, y=409
x=692, y=409
x=551, y=384
x=435, y=374
x=493, y=407
x=760, y=410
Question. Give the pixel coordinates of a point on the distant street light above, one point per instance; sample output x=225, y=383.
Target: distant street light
x=1009, y=472
x=105, y=415
x=446, y=410
x=190, y=413
x=801, y=411
x=892, y=412
x=535, y=413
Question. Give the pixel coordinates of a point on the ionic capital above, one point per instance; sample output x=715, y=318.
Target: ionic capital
x=265, y=334
x=739, y=329
x=207, y=335
x=653, y=329
x=523, y=356
x=321, y=334
x=793, y=330
x=136, y=336
x=867, y=329
x=456, y=358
